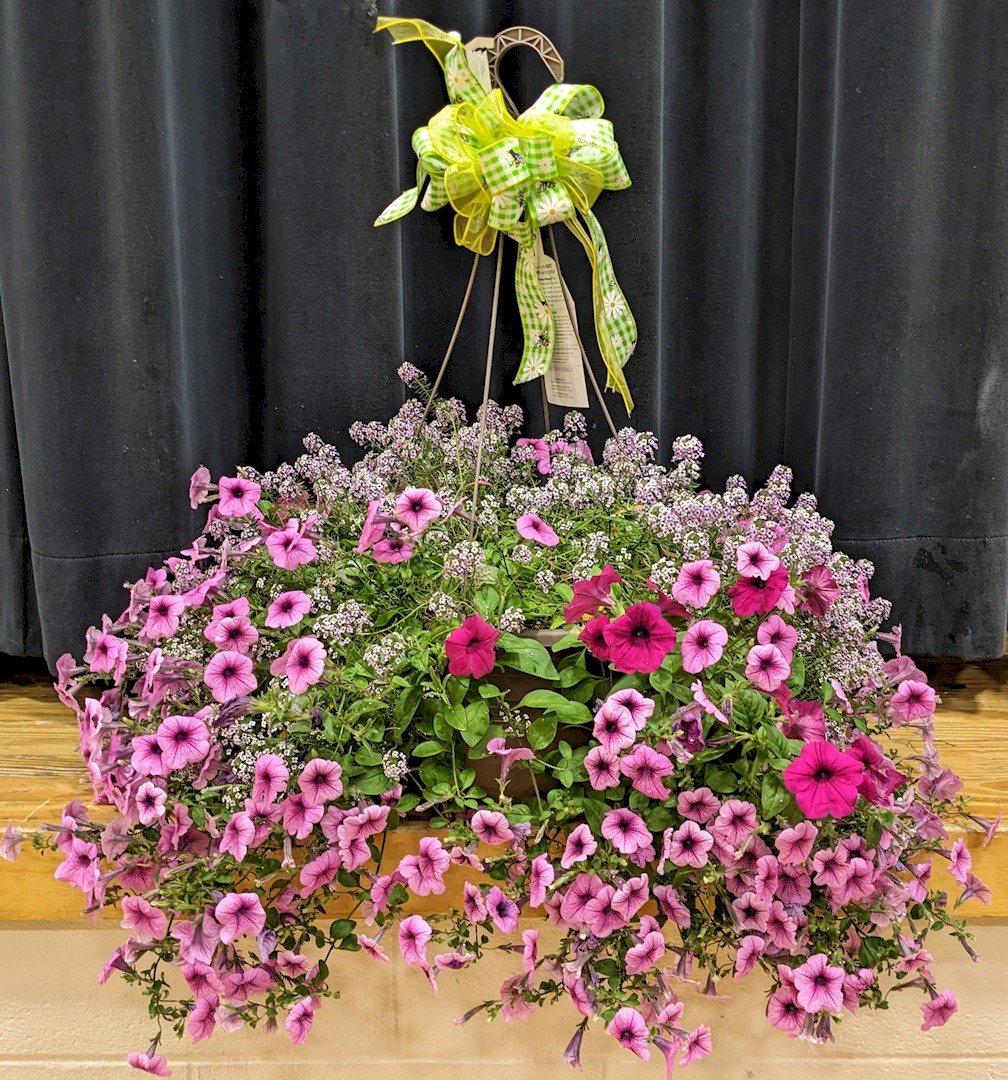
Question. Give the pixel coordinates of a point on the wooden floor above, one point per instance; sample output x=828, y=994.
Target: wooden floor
x=40, y=771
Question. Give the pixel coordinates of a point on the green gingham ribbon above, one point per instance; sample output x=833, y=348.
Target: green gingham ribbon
x=509, y=174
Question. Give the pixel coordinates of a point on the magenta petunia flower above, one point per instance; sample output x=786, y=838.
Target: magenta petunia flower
x=754, y=596
x=939, y=1010
x=754, y=560
x=163, y=614
x=645, y=768
x=239, y=915
x=818, y=986
x=807, y=721
x=416, y=508
x=320, y=781
x=229, y=675
x=395, y=548
x=145, y=921
x=625, y=830
x=532, y=527
x=238, y=496
x=603, y=768
x=502, y=910
x=614, y=727
x=235, y=635
x=491, y=827
x=630, y=1030
x=288, y=609
x=819, y=589
x=688, y=845
x=703, y=644
x=697, y=584
x=823, y=780
x=640, y=639
x=580, y=844
x=912, y=701
x=541, y=876
x=184, y=740
x=289, y=547
x=470, y=647
x=593, y=635
x=591, y=594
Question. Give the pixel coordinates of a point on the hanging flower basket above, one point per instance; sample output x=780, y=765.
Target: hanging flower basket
x=696, y=780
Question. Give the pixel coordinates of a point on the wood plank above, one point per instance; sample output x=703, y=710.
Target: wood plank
x=40, y=771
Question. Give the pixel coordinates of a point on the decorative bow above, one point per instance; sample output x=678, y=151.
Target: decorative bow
x=509, y=174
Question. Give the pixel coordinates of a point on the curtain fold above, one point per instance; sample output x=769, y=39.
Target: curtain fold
x=815, y=247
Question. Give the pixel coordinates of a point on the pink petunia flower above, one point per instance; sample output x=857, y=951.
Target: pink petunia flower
x=238, y=496
x=775, y=631
x=751, y=912
x=578, y=893
x=199, y=486
x=239, y=915
x=299, y=818
x=703, y=644
x=532, y=527
x=580, y=845
x=784, y=1012
x=270, y=778
x=395, y=548
x=641, y=708
x=109, y=654
x=960, y=862
x=470, y=648
x=643, y=956
x=697, y=584
x=202, y=1018
x=818, y=986
x=912, y=701
x=823, y=780
x=708, y=706
x=754, y=560
x=625, y=830
x=424, y=872
x=302, y=663
x=794, y=845
x=491, y=827
x=688, y=845
x=508, y=757
x=807, y=721
x=145, y=921
x=645, y=768
x=939, y=1010
x=472, y=904
x=603, y=768
x=699, y=805
x=591, y=594
x=601, y=916
x=766, y=667
x=150, y=801
x=299, y=1020
x=698, y=1045
x=321, y=781
x=372, y=948
x=614, y=727
x=152, y=1063
x=502, y=910
x=229, y=675
x=288, y=609
x=630, y=1030
x=631, y=896
x=163, y=615
x=289, y=547
x=541, y=876
x=750, y=948
x=640, y=639
x=373, y=530
x=736, y=820
x=416, y=508
x=184, y=740
x=235, y=635
x=239, y=833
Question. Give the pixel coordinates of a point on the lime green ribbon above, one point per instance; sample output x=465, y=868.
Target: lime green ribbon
x=501, y=173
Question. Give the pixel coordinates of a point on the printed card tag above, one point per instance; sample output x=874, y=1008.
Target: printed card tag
x=565, y=379
x=479, y=61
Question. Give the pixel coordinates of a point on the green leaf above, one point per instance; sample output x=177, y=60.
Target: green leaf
x=406, y=707
x=341, y=927
x=442, y=727
x=467, y=777
x=364, y=706
x=570, y=712
x=542, y=732
x=375, y=783
x=774, y=796
x=658, y=819
x=368, y=755
x=871, y=952
x=489, y=691
x=406, y=803
x=457, y=688
x=350, y=944
x=594, y=811
x=796, y=680
x=748, y=708
x=566, y=777
x=430, y=748
x=525, y=654
x=721, y=780
x=477, y=720
x=456, y=716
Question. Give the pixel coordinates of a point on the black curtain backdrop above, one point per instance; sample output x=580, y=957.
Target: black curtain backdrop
x=815, y=247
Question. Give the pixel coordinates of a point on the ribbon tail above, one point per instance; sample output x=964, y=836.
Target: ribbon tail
x=439, y=43
x=537, y=318
x=404, y=203
x=615, y=328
